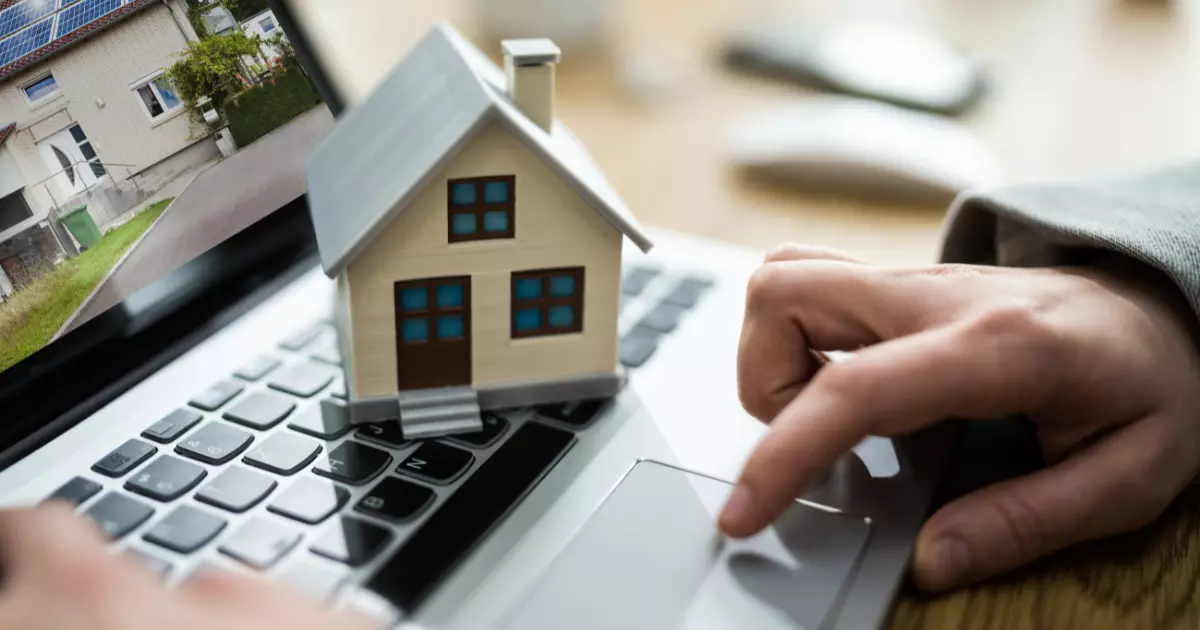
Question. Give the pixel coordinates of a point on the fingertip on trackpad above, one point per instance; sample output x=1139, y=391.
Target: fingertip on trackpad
x=651, y=556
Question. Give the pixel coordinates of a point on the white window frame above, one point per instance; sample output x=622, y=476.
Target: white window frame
x=45, y=99
x=148, y=80
x=263, y=28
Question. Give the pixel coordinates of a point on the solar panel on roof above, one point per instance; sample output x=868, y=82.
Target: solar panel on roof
x=25, y=41
x=82, y=13
x=21, y=15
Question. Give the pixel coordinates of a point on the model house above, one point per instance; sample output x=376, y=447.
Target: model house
x=476, y=245
x=90, y=118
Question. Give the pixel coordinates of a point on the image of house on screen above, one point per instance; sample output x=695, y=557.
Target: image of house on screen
x=476, y=245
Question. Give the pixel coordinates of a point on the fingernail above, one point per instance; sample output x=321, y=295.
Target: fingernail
x=737, y=508
x=948, y=559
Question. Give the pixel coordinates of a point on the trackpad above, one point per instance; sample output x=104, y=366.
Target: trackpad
x=651, y=557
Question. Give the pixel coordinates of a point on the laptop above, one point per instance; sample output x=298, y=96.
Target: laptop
x=190, y=421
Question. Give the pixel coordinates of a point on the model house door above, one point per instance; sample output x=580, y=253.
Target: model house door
x=70, y=155
x=433, y=332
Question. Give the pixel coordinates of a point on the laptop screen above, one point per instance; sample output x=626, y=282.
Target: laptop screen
x=141, y=191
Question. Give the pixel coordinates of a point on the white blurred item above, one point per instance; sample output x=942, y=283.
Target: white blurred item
x=857, y=147
x=567, y=22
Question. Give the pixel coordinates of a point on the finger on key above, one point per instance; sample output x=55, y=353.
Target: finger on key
x=992, y=365
x=34, y=535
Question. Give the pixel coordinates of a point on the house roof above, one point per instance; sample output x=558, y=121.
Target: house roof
x=6, y=132
x=66, y=41
x=385, y=150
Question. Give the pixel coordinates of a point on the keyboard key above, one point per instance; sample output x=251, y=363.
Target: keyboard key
x=166, y=478
x=302, y=379
x=328, y=420
x=576, y=414
x=157, y=565
x=118, y=514
x=76, y=491
x=318, y=582
x=437, y=462
x=257, y=368
x=260, y=410
x=283, y=453
x=127, y=457
x=493, y=427
x=387, y=433
x=663, y=318
x=687, y=293
x=310, y=500
x=637, y=347
x=327, y=352
x=395, y=499
x=215, y=443
x=260, y=543
x=353, y=463
x=185, y=529
x=216, y=396
x=339, y=389
x=172, y=426
x=302, y=338
x=236, y=489
x=636, y=280
x=409, y=575
x=352, y=541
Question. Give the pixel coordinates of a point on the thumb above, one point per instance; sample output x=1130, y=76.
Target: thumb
x=1104, y=490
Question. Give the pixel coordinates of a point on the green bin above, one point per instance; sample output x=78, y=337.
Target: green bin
x=82, y=226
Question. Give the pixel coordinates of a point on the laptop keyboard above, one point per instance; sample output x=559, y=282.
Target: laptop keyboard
x=253, y=471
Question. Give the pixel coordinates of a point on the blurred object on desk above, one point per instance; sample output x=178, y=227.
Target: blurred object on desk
x=890, y=64
x=862, y=149
x=569, y=23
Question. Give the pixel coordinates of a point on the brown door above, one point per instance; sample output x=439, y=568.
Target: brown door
x=433, y=332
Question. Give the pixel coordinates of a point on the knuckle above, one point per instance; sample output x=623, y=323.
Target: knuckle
x=1018, y=319
x=765, y=282
x=1023, y=523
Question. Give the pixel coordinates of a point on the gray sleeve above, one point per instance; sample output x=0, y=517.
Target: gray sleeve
x=1151, y=217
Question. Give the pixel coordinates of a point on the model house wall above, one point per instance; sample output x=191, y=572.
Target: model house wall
x=554, y=228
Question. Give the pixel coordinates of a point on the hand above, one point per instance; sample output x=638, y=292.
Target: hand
x=1104, y=362
x=58, y=574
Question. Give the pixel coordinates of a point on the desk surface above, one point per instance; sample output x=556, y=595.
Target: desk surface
x=1079, y=87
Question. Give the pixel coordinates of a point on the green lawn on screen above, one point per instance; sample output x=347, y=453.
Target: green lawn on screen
x=36, y=311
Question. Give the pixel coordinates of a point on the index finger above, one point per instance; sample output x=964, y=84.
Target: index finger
x=27, y=535
x=997, y=364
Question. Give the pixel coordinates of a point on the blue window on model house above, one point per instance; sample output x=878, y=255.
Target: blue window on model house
x=547, y=302
x=482, y=208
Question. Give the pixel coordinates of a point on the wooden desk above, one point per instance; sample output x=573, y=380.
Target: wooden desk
x=1081, y=86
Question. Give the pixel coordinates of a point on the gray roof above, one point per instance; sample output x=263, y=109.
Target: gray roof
x=385, y=150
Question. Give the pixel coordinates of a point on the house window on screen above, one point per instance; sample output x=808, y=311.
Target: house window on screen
x=482, y=208
x=158, y=97
x=547, y=302
x=40, y=90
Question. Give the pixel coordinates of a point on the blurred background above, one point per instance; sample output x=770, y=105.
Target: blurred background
x=697, y=109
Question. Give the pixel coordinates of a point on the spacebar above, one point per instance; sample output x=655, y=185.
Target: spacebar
x=480, y=503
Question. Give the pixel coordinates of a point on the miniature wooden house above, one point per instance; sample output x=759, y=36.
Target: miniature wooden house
x=475, y=244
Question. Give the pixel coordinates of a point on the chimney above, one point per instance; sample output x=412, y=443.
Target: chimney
x=530, y=65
